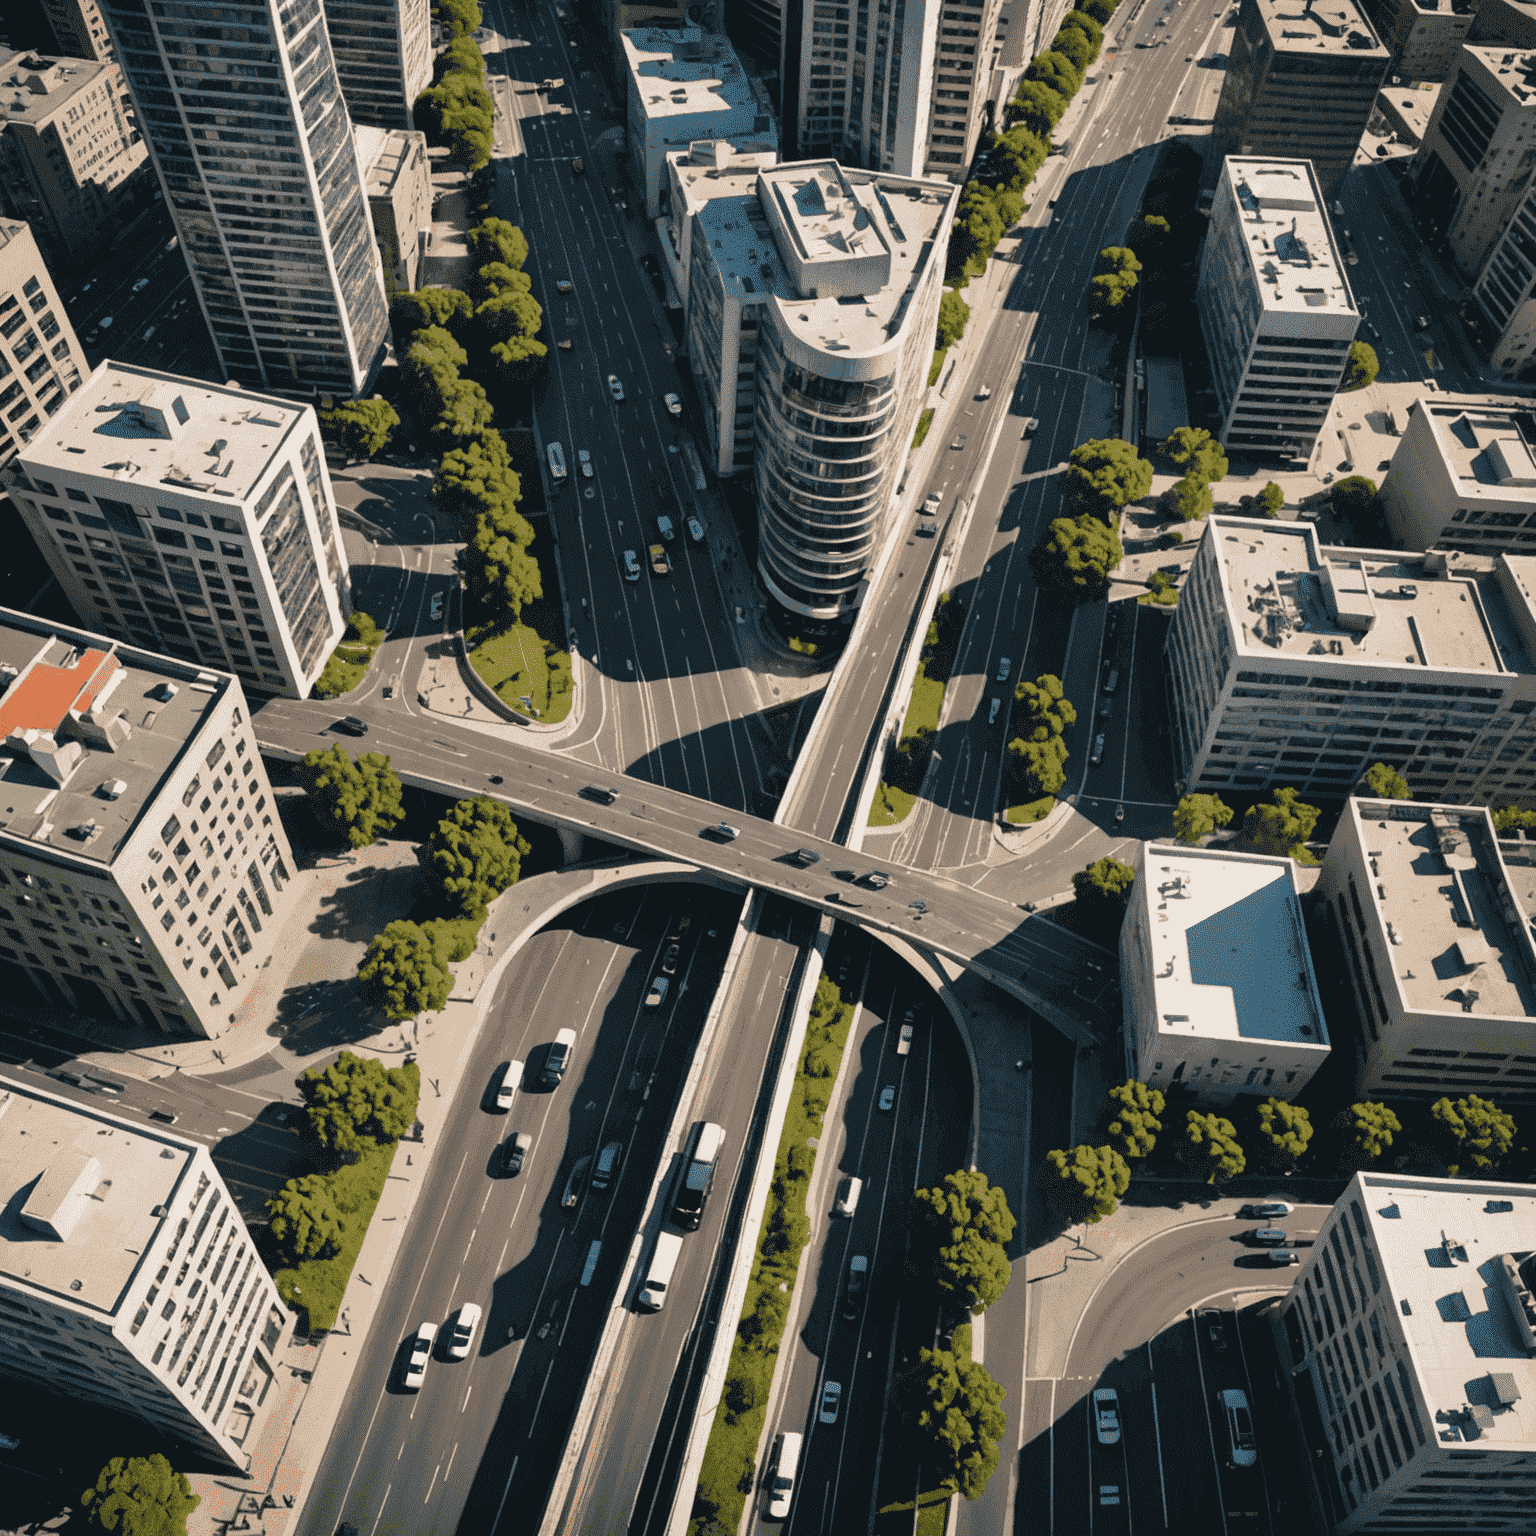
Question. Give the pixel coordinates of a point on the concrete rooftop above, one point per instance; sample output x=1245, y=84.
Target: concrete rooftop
x=1332, y=26
x=1487, y=447
x=383, y=153
x=34, y=86
x=1287, y=236
x=1514, y=69
x=678, y=72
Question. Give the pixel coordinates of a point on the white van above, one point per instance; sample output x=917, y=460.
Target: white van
x=555, y=454
x=782, y=1467
x=511, y=1081
x=1234, y=1406
x=848, y=1196
x=652, y=1295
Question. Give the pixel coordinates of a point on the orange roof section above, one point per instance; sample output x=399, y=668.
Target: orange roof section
x=44, y=694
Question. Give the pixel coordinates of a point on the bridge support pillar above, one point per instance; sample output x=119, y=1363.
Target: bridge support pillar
x=570, y=844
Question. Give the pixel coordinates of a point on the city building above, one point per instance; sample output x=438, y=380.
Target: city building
x=383, y=52
x=1464, y=476
x=78, y=30
x=195, y=519
x=143, y=867
x=71, y=162
x=1301, y=81
x=966, y=52
x=684, y=86
x=1407, y=1341
x=1216, y=980
x=621, y=16
x=127, y=1276
x=810, y=320
x=1505, y=292
x=398, y=181
x=1437, y=949
x=268, y=199
x=1275, y=307
x=41, y=360
x=1291, y=662
x=1469, y=174
x=1424, y=36
x=699, y=174
x=1505, y=21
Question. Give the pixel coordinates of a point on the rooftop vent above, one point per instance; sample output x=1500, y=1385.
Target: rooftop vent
x=112, y=789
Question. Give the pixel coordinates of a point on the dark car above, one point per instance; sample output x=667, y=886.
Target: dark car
x=1267, y=1237
x=805, y=857
x=1215, y=1325
x=350, y=725
x=516, y=1150
x=600, y=793
x=876, y=880
x=669, y=959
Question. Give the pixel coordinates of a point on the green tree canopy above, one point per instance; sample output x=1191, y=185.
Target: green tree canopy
x=1103, y=890
x=1076, y=46
x=1047, y=710
x=1194, y=449
x=952, y=1408
x=1270, y=500
x=464, y=411
x=1196, y=815
x=1038, y=106
x=141, y=1496
x=1510, y=818
x=1088, y=25
x=1187, y=499
x=1130, y=1117
x=496, y=278
x=1013, y=157
x=360, y=800
x=446, y=308
x=1100, y=10
x=462, y=55
x=305, y=1220
x=953, y=314
x=1115, y=281
x=1282, y=827
x=960, y=1231
x=977, y=228
x=458, y=16
x=497, y=240
x=1369, y=1128
x=1148, y=236
x=1284, y=1131
x=1362, y=367
x=1353, y=496
x=475, y=478
x=500, y=574
x=360, y=428
x=1210, y=1148
x=1085, y=1183
x=1472, y=1131
x=1057, y=71
x=404, y=972
x=1103, y=475
x=357, y=1103
x=1075, y=557
x=1040, y=767
x=1386, y=783
x=473, y=855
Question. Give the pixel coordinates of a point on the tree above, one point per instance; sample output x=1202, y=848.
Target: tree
x=360, y=800
x=952, y=1408
x=1196, y=815
x=1056, y=70
x=1210, y=1148
x=1362, y=367
x=474, y=854
x=1038, y=754
x=141, y=1496
x=497, y=240
x=1270, y=500
x=1353, y=496
x=304, y=1219
x=954, y=312
x=1472, y=1130
x=1103, y=891
x=1282, y=827
x=458, y=16
x=500, y=574
x=1284, y=1131
x=1187, y=499
x=464, y=409
x=430, y=369
x=360, y=428
x=1510, y=818
x=1079, y=20
x=476, y=478
x=1149, y=236
x=1130, y=1117
x=1047, y=710
x=1038, y=107
x=1386, y=783
x=1115, y=282
x=1100, y=10
x=1086, y=1183
x=1038, y=766
x=403, y=973
x=446, y=308
x=1076, y=46
x=960, y=1229
x=1369, y=1128
x=1194, y=450
x=1076, y=556
x=1103, y=475
x=357, y=1103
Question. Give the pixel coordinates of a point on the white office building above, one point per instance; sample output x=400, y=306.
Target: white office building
x=143, y=867
x=41, y=360
x=127, y=1276
x=193, y=518
x=966, y=51
x=1216, y=980
x=1409, y=1343
x=1275, y=307
x=1291, y=662
x=1505, y=292
x=1437, y=949
x=705, y=171
x=398, y=180
x=1425, y=36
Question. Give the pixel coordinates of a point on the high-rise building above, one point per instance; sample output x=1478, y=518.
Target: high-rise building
x=965, y=53
x=1290, y=662
x=142, y=862
x=78, y=30
x=264, y=187
x=1464, y=476
x=1407, y=1343
x=1424, y=36
x=71, y=163
x=1301, y=82
x=192, y=518
x=398, y=181
x=383, y=51
x=41, y=360
x=1275, y=307
x=1216, y=980
x=1475, y=162
x=1505, y=292
x=811, y=312
x=128, y=1277
x=703, y=172
x=1505, y=21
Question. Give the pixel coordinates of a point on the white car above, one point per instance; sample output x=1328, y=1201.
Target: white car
x=565, y=285
x=511, y=1081
x=695, y=530
x=421, y=1352
x=463, y=1331
x=887, y=1096
x=985, y=392
x=932, y=504
x=831, y=1401
x=1106, y=1415
x=1004, y=667
x=848, y=1196
x=437, y=605
x=615, y=388
x=141, y=285
x=585, y=460
x=673, y=404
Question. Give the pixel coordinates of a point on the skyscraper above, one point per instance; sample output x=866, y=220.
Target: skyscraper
x=79, y=30
x=383, y=54
x=243, y=113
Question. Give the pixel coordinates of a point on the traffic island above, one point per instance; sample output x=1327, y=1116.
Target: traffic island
x=348, y=664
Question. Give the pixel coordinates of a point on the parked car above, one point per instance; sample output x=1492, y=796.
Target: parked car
x=1267, y=1237
x=1280, y=1257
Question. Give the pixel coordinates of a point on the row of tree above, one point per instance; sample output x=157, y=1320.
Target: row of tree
x=1203, y=461
x=1076, y=554
x=1037, y=755
x=456, y=111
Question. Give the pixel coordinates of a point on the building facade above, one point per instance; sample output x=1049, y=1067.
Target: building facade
x=703, y=173
x=966, y=52
x=1478, y=153
x=1290, y=662
x=41, y=360
x=1464, y=477
x=1505, y=21
x=71, y=163
x=267, y=199
x=383, y=52
x=143, y=867
x=192, y=519
x=1407, y=1341
x=1301, y=82
x=1437, y=949
x=1505, y=292
x=1275, y=307
x=398, y=180
x=1424, y=36
x=1216, y=980
x=78, y=30
x=128, y=1277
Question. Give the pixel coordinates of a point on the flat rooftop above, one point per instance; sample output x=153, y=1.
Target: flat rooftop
x=384, y=153
x=1489, y=449
x=144, y=428
x=1334, y=26
x=1460, y=943
x=35, y=86
x=87, y=734
x=714, y=168
x=1514, y=69
x=1229, y=954
x=69, y=1168
x=1290, y=595
x=1438, y=1242
x=678, y=72
x=1287, y=236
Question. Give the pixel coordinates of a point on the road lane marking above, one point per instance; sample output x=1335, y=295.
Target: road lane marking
x=467, y=1390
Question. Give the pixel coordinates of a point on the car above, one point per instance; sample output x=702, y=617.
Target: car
x=578, y=167
x=437, y=605
x=557, y=1058
x=1106, y=709
x=93, y=338
x=695, y=530
x=904, y=1040
x=350, y=725
x=105, y=323
x=575, y=1182
x=928, y=529
x=724, y=831
x=1215, y=1325
x=673, y=404
x=1189, y=58
x=515, y=1152
x=664, y=527
x=601, y=793
x=565, y=285
x=932, y=504
x=1097, y=755
x=615, y=388
x=1004, y=667
x=848, y=1196
x=1119, y=814
x=888, y=1096
x=141, y=285
x=959, y=441
x=1106, y=1415
x=416, y=1360
x=1031, y=425
x=985, y=392
x=565, y=344
x=805, y=857
x=463, y=1334
x=1258, y=1210
x=782, y=1470
x=669, y=959
x=831, y=1401
x=584, y=458
x=148, y=333
x=1280, y=1257
x=510, y=1081
x=661, y=561
x=607, y=1167
x=1233, y=1403
x=1267, y=1237
x=657, y=995
x=876, y=880
x=631, y=565
x=853, y=1291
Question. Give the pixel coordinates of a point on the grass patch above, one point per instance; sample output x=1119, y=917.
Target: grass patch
x=896, y=1519
x=348, y=664
x=890, y=805
x=729, y=1472
x=1161, y=589
x=803, y=647
x=1030, y=811
x=923, y=423
x=938, y=366
x=518, y=663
